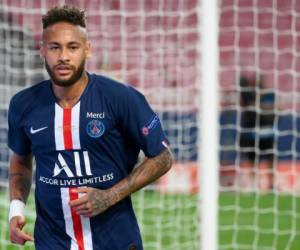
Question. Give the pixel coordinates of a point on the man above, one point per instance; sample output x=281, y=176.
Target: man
x=85, y=132
x=257, y=130
x=257, y=120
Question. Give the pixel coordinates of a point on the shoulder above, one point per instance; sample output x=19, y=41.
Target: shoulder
x=113, y=88
x=29, y=96
x=122, y=98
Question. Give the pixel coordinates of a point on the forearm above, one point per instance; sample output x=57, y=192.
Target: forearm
x=20, y=177
x=97, y=201
x=149, y=171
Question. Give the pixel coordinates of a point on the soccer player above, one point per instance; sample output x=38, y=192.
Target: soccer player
x=85, y=132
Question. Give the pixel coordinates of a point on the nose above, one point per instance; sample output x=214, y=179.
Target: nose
x=63, y=56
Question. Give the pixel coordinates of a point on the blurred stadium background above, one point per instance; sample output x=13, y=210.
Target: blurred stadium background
x=154, y=46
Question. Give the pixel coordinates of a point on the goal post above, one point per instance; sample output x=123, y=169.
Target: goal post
x=209, y=124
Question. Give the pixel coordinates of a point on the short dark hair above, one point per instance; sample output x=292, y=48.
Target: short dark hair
x=69, y=14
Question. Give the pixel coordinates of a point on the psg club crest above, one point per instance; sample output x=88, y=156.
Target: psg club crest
x=95, y=128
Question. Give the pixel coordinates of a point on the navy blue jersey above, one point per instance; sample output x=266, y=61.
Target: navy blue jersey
x=94, y=144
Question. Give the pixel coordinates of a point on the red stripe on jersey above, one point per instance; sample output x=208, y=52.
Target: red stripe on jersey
x=76, y=221
x=67, y=117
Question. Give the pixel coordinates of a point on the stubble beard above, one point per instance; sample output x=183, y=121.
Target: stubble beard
x=68, y=82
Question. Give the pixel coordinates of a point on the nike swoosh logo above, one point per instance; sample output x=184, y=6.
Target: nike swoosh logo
x=34, y=131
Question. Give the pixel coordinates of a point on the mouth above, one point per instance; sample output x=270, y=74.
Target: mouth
x=63, y=70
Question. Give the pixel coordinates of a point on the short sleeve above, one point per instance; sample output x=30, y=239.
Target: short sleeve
x=17, y=138
x=141, y=123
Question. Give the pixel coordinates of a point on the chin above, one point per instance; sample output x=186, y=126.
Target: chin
x=63, y=83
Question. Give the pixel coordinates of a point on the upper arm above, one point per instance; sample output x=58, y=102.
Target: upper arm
x=18, y=141
x=141, y=123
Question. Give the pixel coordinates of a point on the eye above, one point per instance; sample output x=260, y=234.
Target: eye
x=73, y=47
x=53, y=48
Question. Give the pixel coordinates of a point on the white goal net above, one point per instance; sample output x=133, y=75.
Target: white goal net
x=154, y=46
x=259, y=121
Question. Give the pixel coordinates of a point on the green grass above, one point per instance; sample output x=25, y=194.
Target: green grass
x=4, y=224
x=262, y=221
x=246, y=221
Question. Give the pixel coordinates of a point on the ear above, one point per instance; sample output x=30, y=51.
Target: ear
x=42, y=50
x=88, y=50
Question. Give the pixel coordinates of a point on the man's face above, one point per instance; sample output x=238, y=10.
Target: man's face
x=65, y=49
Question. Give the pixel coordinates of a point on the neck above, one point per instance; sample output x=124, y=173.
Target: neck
x=68, y=96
